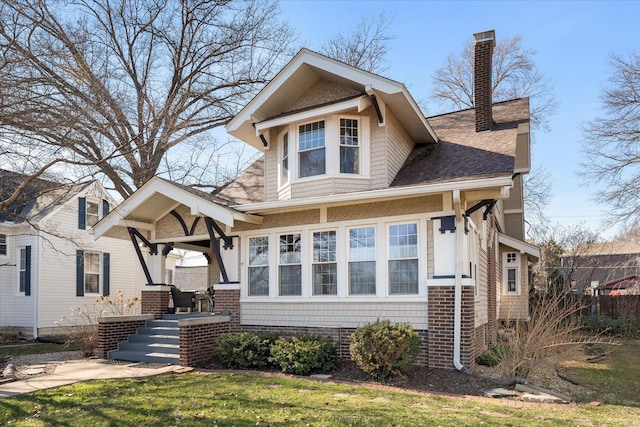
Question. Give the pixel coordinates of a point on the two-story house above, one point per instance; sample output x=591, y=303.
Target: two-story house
x=360, y=208
x=49, y=260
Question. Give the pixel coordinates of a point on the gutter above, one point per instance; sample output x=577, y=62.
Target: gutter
x=457, y=307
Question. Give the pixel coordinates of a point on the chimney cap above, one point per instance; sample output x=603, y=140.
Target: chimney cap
x=484, y=36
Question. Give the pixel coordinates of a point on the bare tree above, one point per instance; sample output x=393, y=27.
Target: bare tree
x=365, y=47
x=611, y=153
x=120, y=83
x=515, y=75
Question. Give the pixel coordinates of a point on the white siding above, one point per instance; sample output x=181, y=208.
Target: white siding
x=16, y=309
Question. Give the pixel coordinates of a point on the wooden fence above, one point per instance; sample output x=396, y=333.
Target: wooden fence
x=621, y=306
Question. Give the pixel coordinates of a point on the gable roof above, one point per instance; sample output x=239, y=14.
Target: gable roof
x=608, y=248
x=38, y=199
x=463, y=153
x=308, y=68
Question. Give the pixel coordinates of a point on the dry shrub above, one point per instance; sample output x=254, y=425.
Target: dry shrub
x=554, y=323
x=81, y=325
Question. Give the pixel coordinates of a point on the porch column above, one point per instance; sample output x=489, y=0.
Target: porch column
x=156, y=265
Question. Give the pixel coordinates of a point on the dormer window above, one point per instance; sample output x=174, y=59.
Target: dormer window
x=92, y=213
x=311, y=149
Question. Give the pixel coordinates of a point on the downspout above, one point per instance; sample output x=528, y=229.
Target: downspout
x=35, y=287
x=457, y=307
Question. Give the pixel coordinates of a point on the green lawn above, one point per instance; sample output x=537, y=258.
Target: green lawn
x=36, y=348
x=616, y=377
x=243, y=400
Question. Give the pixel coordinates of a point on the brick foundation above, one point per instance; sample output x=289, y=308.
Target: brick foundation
x=441, y=327
x=155, y=300
x=228, y=300
x=114, y=330
x=198, y=338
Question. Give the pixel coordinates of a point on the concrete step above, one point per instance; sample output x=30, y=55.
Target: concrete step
x=149, y=347
x=160, y=339
x=160, y=330
x=164, y=323
x=147, y=357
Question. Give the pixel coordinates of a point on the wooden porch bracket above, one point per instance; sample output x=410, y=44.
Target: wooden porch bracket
x=210, y=223
x=134, y=234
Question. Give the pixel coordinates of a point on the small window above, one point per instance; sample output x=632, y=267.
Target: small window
x=325, y=267
x=349, y=146
x=311, y=147
x=91, y=272
x=259, y=266
x=512, y=279
x=3, y=244
x=22, y=286
x=403, y=259
x=290, y=265
x=284, y=163
x=362, y=261
x=92, y=213
x=511, y=257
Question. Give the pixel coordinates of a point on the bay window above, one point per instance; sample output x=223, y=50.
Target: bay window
x=284, y=161
x=311, y=149
x=349, y=146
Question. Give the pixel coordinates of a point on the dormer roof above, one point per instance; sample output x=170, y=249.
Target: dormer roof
x=307, y=69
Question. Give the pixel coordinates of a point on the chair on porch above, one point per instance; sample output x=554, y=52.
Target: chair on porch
x=183, y=299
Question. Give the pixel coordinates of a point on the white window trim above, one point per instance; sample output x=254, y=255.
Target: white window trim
x=349, y=261
x=280, y=153
x=20, y=270
x=6, y=245
x=382, y=288
x=388, y=255
x=337, y=262
x=505, y=278
x=269, y=266
x=332, y=148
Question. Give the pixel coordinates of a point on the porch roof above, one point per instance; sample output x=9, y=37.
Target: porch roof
x=156, y=199
x=533, y=252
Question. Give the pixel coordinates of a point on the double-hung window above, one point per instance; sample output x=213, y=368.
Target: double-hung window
x=511, y=272
x=284, y=162
x=324, y=263
x=92, y=213
x=311, y=149
x=362, y=261
x=3, y=244
x=22, y=285
x=403, y=258
x=349, y=146
x=290, y=265
x=91, y=272
x=259, y=266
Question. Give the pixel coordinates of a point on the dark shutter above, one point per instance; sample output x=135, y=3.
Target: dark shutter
x=82, y=213
x=106, y=260
x=80, y=273
x=27, y=270
x=105, y=207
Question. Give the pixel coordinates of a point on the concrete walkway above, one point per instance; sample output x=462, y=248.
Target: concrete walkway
x=84, y=370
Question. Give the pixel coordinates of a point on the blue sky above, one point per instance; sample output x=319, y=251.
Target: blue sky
x=573, y=40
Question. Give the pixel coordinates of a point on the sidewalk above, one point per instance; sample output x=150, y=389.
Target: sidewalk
x=84, y=370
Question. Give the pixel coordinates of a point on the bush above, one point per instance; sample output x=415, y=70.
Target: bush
x=304, y=354
x=244, y=350
x=605, y=325
x=494, y=356
x=384, y=350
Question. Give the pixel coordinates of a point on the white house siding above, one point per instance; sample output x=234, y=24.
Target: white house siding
x=17, y=309
x=379, y=160
x=332, y=314
x=8, y=274
x=57, y=259
x=271, y=167
x=399, y=145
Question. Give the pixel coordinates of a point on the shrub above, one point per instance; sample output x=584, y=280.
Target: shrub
x=604, y=325
x=244, y=350
x=304, y=354
x=384, y=350
x=494, y=356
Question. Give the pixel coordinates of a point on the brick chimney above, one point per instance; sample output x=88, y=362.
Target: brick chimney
x=483, y=51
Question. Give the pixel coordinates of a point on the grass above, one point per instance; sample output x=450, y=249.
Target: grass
x=616, y=377
x=220, y=399
x=36, y=348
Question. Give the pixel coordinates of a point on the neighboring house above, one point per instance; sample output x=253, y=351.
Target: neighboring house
x=361, y=208
x=600, y=268
x=49, y=259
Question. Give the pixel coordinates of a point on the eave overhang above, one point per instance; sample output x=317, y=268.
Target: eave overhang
x=156, y=199
x=532, y=252
x=301, y=73
x=498, y=187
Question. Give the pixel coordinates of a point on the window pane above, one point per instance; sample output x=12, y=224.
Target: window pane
x=23, y=270
x=92, y=213
x=349, y=160
x=92, y=262
x=511, y=279
x=362, y=244
x=23, y=281
x=324, y=279
x=284, y=167
x=258, y=281
x=290, y=280
x=403, y=241
x=324, y=246
x=259, y=251
x=3, y=244
x=311, y=136
x=290, y=249
x=312, y=163
x=362, y=278
x=403, y=276
x=91, y=283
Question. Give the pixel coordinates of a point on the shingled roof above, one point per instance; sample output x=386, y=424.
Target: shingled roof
x=463, y=154
x=37, y=200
